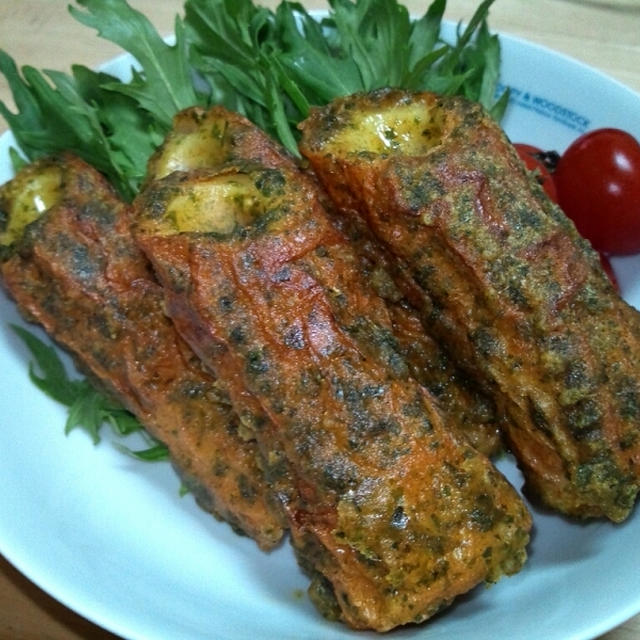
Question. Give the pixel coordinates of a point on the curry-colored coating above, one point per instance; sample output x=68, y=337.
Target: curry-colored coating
x=503, y=279
x=212, y=138
x=468, y=409
x=76, y=271
x=391, y=514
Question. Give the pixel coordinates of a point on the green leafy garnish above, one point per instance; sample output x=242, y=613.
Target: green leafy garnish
x=58, y=112
x=155, y=453
x=164, y=86
x=53, y=378
x=89, y=409
x=270, y=65
x=281, y=63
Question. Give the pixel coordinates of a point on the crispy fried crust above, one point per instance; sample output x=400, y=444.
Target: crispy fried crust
x=503, y=278
x=201, y=139
x=212, y=138
x=77, y=272
x=391, y=514
x=469, y=411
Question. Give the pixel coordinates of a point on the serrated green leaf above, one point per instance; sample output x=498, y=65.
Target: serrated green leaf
x=500, y=106
x=89, y=408
x=122, y=422
x=291, y=90
x=425, y=32
x=86, y=413
x=55, y=114
x=268, y=65
x=491, y=69
x=156, y=453
x=29, y=112
x=166, y=85
x=418, y=76
x=47, y=371
x=131, y=133
x=18, y=161
x=276, y=107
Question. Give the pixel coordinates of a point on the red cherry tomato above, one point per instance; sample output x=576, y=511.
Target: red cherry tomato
x=598, y=185
x=532, y=158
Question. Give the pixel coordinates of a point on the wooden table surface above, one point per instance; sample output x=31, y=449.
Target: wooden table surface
x=604, y=34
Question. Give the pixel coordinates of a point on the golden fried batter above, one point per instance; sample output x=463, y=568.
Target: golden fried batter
x=76, y=270
x=391, y=514
x=215, y=137
x=469, y=411
x=502, y=278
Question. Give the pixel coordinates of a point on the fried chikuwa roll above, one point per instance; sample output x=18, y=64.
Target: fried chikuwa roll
x=71, y=265
x=503, y=279
x=391, y=515
x=212, y=138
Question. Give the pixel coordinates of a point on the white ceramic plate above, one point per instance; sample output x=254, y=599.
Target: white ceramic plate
x=111, y=538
